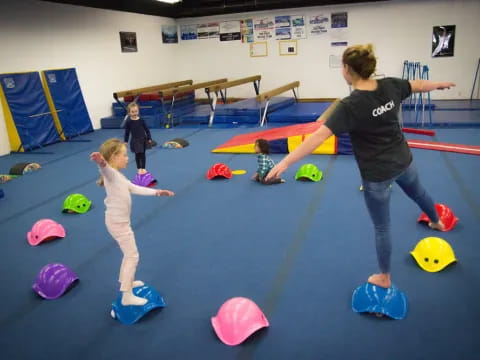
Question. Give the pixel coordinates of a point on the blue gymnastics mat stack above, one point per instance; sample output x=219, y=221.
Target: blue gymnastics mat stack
x=153, y=111
x=248, y=111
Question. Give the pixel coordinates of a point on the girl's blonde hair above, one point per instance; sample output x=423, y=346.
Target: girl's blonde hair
x=107, y=150
x=131, y=105
x=361, y=59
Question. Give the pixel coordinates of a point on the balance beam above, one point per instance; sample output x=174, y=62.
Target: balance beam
x=180, y=89
x=267, y=95
x=224, y=86
x=150, y=89
x=233, y=83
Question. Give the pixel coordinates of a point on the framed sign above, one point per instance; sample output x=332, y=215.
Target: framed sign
x=443, y=40
x=258, y=49
x=128, y=41
x=287, y=47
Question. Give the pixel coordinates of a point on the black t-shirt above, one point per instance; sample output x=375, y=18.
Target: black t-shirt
x=371, y=119
x=138, y=128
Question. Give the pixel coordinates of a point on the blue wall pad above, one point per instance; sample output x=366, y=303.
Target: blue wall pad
x=253, y=107
x=68, y=100
x=299, y=112
x=31, y=114
x=111, y=122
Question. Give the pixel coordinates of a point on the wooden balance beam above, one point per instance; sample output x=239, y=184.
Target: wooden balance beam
x=266, y=96
x=150, y=89
x=224, y=86
x=181, y=89
x=233, y=83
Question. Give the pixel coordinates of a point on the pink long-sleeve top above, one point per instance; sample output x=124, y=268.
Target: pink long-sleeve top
x=118, y=188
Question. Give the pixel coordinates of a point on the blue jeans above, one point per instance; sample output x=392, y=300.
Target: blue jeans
x=377, y=198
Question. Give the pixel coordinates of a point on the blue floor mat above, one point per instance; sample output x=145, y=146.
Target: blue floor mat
x=299, y=112
x=297, y=249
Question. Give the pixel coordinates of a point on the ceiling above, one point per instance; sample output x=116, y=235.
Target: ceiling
x=196, y=8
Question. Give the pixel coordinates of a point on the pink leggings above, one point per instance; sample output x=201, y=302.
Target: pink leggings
x=123, y=234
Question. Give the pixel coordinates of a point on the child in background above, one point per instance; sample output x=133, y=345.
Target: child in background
x=112, y=158
x=265, y=163
x=140, y=136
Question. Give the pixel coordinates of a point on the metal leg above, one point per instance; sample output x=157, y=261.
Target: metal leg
x=264, y=117
x=475, y=80
x=170, y=114
x=212, y=111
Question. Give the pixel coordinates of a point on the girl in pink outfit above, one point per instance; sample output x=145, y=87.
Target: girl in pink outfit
x=112, y=158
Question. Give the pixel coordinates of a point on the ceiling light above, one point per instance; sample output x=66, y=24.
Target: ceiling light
x=170, y=1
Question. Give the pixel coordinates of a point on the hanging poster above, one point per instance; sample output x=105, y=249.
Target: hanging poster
x=282, y=21
x=188, y=32
x=339, y=20
x=283, y=33
x=213, y=30
x=128, y=41
x=317, y=25
x=169, y=34
x=246, y=28
x=298, y=27
x=282, y=28
x=202, y=31
x=263, y=28
x=230, y=30
x=443, y=40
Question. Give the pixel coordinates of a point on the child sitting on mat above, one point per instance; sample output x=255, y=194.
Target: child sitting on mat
x=265, y=163
x=140, y=136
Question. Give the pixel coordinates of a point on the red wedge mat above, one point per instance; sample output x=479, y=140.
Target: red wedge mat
x=432, y=145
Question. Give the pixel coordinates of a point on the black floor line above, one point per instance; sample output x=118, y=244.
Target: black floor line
x=285, y=269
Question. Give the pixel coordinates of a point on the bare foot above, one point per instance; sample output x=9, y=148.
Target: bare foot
x=437, y=226
x=382, y=280
x=129, y=299
x=137, y=283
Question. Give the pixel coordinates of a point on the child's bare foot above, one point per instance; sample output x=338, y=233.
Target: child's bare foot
x=137, y=283
x=129, y=299
x=382, y=280
x=437, y=226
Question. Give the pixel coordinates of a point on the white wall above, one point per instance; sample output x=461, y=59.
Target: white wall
x=400, y=30
x=41, y=35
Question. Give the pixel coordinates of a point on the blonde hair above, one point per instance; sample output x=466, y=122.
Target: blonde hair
x=108, y=149
x=131, y=105
x=361, y=59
